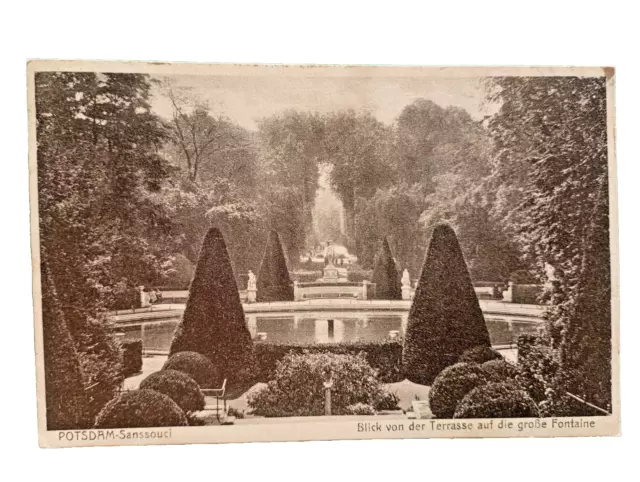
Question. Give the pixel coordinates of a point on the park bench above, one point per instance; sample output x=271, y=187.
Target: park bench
x=216, y=404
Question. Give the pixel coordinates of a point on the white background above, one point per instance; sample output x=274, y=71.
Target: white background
x=401, y=33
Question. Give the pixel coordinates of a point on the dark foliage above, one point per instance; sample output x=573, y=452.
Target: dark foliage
x=385, y=357
x=140, y=408
x=480, y=354
x=538, y=365
x=64, y=381
x=385, y=274
x=388, y=401
x=497, y=400
x=500, y=369
x=131, y=357
x=213, y=323
x=452, y=384
x=197, y=366
x=297, y=387
x=445, y=319
x=586, y=345
x=274, y=283
x=178, y=386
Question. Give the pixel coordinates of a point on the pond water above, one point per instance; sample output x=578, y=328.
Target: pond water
x=309, y=328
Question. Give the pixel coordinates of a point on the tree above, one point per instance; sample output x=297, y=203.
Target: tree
x=356, y=146
x=394, y=213
x=64, y=380
x=290, y=145
x=274, y=283
x=445, y=318
x=213, y=323
x=208, y=147
x=385, y=274
x=551, y=140
x=586, y=343
x=103, y=228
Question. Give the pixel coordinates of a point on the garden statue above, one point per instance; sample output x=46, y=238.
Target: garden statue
x=251, y=288
x=406, y=285
x=251, y=284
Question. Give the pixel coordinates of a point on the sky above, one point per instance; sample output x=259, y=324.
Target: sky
x=245, y=99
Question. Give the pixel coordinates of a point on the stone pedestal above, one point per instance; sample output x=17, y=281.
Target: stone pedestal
x=251, y=295
x=365, y=289
x=297, y=296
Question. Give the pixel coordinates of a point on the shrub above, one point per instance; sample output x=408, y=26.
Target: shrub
x=480, y=354
x=64, y=381
x=213, y=323
x=178, y=386
x=196, y=366
x=445, y=319
x=452, y=384
x=383, y=356
x=388, y=401
x=360, y=409
x=385, y=274
x=538, y=365
x=274, y=283
x=297, y=388
x=500, y=370
x=131, y=357
x=496, y=400
x=306, y=276
x=140, y=408
x=359, y=275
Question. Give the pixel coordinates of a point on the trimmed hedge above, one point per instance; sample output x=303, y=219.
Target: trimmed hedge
x=66, y=400
x=451, y=386
x=213, y=322
x=385, y=274
x=445, y=318
x=480, y=354
x=274, y=283
x=385, y=357
x=297, y=387
x=359, y=275
x=497, y=400
x=141, y=408
x=500, y=369
x=178, y=386
x=197, y=366
x=131, y=357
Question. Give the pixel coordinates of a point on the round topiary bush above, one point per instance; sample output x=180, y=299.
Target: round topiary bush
x=197, y=366
x=452, y=384
x=480, y=354
x=500, y=370
x=140, y=408
x=178, y=386
x=497, y=400
x=297, y=387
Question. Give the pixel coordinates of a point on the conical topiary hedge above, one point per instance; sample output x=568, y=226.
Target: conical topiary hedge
x=385, y=274
x=445, y=319
x=213, y=323
x=67, y=406
x=274, y=283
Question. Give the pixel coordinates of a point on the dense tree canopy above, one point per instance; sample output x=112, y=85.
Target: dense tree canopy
x=103, y=229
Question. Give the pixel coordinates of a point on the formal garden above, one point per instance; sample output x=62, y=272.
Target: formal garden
x=460, y=204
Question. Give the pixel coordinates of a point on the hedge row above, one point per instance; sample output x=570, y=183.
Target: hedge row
x=384, y=356
x=131, y=357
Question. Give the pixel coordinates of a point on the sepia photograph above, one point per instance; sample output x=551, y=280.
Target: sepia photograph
x=238, y=253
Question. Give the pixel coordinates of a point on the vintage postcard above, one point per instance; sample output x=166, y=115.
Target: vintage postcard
x=237, y=253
